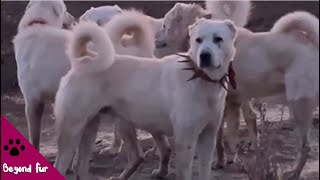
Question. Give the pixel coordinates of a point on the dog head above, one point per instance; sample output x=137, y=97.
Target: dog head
x=52, y=13
x=101, y=15
x=173, y=36
x=212, y=44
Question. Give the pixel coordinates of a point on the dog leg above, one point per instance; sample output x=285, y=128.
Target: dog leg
x=152, y=151
x=34, y=110
x=302, y=110
x=134, y=152
x=86, y=147
x=115, y=146
x=251, y=120
x=163, y=146
x=232, y=118
x=206, y=146
x=219, y=149
x=185, y=145
x=68, y=141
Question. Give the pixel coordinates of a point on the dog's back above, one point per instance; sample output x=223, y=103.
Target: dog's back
x=41, y=58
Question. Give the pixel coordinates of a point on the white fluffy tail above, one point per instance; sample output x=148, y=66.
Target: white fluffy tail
x=80, y=55
x=135, y=23
x=236, y=11
x=299, y=21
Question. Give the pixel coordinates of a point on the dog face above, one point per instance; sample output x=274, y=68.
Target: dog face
x=101, y=15
x=173, y=35
x=52, y=12
x=212, y=43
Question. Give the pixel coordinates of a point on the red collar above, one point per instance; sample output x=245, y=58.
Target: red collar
x=228, y=77
x=37, y=21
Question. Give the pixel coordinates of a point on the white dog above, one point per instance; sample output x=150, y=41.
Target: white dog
x=142, y=44
x=286, y=60
x=101, y=15
x=149, y=94
x=139, y=43
x=41, y=58
x=282, y=62
x=173, y=38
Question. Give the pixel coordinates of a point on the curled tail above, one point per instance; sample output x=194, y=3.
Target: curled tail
x=80, y=55
x=236, y=11
x=140, y=28
x=299, y=21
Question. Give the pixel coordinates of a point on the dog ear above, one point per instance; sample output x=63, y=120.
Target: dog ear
x=192, y=26
x=177, y=9
x=118, y=8
x=29, y=4
x=58, y=8
x=231, y=27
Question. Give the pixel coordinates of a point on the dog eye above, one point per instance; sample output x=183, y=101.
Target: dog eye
x=199, y=40
x=217, y=39
x=164, y=26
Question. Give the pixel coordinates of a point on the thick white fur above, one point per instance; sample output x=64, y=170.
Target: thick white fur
x=101, y=15
x=141, y=42
x=286, y=60
x=53, y=12
x=299, y=21
x=175, y=23
x=173, y=36
x=292, y=46
x=81, y=57
x=145, y=93
x=237, y=11
x=41, y=59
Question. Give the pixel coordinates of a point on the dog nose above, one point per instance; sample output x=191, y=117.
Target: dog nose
x=205, y=59
x=160, y=44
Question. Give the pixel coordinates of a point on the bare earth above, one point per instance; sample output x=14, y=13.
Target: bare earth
x=283, y=146
x=283, y=138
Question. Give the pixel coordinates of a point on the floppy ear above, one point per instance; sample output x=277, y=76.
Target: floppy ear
x=232, y=27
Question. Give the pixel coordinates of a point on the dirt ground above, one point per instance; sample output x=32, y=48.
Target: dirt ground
x=283, y=145
x=264, y=14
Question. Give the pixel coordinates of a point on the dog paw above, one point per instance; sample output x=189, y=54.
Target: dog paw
x=159, y=174
x=14, y=148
